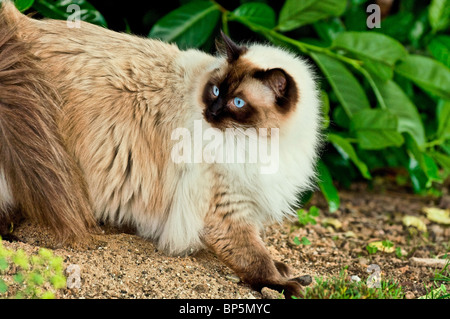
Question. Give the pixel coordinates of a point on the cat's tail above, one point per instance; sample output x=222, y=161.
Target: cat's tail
x=37, y=175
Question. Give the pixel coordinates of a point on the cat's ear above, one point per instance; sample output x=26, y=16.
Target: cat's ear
x=230, y=48
x=276, y=79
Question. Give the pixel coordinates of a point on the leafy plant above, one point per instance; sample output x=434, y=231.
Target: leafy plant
x=341, y=287
x=371, y=249
x=385, y=91
x=30, y=276
x=60, y=9
x=303, y=241
x=439, y=291
x=306, y=217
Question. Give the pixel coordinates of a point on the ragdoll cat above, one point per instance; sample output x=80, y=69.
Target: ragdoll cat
x=88, y=132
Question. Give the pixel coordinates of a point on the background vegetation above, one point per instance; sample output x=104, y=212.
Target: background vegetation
x=385, y=91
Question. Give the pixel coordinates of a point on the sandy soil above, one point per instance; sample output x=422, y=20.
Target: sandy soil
x=119, y=264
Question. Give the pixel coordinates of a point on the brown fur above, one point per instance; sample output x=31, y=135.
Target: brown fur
x=239, y=245
x=45, y=182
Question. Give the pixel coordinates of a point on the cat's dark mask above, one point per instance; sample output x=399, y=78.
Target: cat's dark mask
x=242, y=94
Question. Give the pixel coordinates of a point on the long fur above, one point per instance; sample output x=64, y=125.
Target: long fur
x=38, y=177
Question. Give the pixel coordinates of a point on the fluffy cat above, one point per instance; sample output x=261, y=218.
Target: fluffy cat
x=87, y=122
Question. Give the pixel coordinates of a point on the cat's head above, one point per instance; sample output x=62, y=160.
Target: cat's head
x=255, y=86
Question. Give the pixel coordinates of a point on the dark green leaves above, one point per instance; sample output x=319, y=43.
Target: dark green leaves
x=60, y=10
x=439, y=14
x=347, y=151
x=400, y=105
x=257, y=13
x=329, y=191
x=443, y=117
x=347, y=89
x=371, y=45
x=440, y=49
x=23, y=5
x=376, y=129
x=188, y=26
x=296, y=13
x=378, y=52
x=427, y=73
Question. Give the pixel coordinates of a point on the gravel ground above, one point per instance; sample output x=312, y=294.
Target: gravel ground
x=118, y=264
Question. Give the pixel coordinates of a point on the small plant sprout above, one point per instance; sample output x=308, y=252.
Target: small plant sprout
x=306, y=217
x=24, y=276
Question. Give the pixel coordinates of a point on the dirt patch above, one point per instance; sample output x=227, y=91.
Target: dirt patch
x=121, y=265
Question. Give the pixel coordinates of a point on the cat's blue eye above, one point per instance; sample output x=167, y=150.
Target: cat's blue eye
x=238, y=102
x=215, y=90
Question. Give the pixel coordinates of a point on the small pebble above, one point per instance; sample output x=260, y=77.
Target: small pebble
x=233, y=278
x=410, y=295
x=268, y=293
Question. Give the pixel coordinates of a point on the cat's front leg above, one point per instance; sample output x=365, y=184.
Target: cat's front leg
x=237, y=243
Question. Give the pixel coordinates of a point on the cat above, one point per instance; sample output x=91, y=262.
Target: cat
x=87, y=122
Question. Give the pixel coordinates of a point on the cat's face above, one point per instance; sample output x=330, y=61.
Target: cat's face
x=241, y=94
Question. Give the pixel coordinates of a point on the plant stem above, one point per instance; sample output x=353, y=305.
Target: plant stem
x=225, y=24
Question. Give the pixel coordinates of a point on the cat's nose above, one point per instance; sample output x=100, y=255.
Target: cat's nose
x=215, y=109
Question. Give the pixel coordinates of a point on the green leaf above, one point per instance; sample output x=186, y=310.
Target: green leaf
x=23, y=5
x=3, y=286
x=21, y=259
x=443, y=160
x=381, y=70
x=439, y=47
x=329, y=29
x=326, y=186
x=377, y=51
x=48, y=295
x=340, y=117
x=257, y=13
x=398, y=25
x=418, y=178
x=427, y=73
x=439, y=14
x=189, y=25
x=376, y=129
x=3, y=264
x=446, y=147
x=371, y=249
x=431, y=169
x=443, y=117
x=37, y=278
x=314, y=211
x=296, y=13
x=426, y=163
x=19, y=278
x=347, y=89
x=305, y=241
x=58, y=10
x=348, y=152
x=399, y=104
x=325, y=109
x=371, y=46
x=58, y=281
